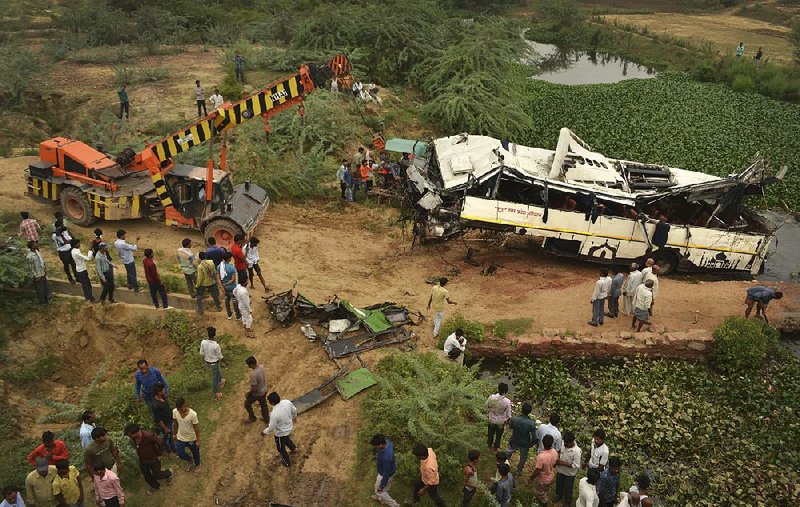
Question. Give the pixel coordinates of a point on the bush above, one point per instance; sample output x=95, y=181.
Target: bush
x=742, y=344
x=21, y=74
x=474, y=331
x=514, y=327
x=743, y=84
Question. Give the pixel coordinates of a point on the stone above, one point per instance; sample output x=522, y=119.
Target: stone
x=699, y=346
x=83, y=340
x=627, y=335
x=553, y=331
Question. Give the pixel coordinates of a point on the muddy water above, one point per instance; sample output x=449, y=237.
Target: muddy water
x=784, y=257
x=571, y=67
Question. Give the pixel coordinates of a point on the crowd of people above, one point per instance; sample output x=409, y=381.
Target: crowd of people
x=553, y=473
x=364, y=173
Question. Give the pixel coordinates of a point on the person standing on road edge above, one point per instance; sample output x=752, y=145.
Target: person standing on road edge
x=384, y=462
x=239, y=258
x=207, y=280
x=125, y=253
x=82, y=270
x=107, y=487
x=200, y=95
x=149, y=450
x=428, y=481
x=124, y=104
x=38, y=270
x=499, y=413
x=629, y=288
x=257, y=392
x=439, y=296
x=29, y=227
x=62, y=239
x=523, y=436
x=146, y=378
x=186, y=428
x=154, y=280
x=281, y=423
x=105, y=272
x=253, y=256
x=615, y=292
x=470, y=477
x=162, y=415
x=212, y=355
x=188, y=262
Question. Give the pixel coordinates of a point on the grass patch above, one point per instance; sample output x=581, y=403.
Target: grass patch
x=41, y=369
x=513, y=327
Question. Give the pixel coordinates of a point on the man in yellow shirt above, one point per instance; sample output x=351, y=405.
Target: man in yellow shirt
x=39, y=484
x=67, y=486
x=439, y=297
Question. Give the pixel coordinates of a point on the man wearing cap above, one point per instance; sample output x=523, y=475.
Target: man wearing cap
x=105, y=272
x=629, y=289
x=212, y=355
x=125, y=253
x=39, y=484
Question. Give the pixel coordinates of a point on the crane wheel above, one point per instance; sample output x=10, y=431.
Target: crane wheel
x=222, y=230
x=75, y=206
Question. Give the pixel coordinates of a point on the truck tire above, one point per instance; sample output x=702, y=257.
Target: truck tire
x=76, y=207
x=222, y=230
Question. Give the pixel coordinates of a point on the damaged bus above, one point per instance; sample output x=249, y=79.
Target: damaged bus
x=582, y=204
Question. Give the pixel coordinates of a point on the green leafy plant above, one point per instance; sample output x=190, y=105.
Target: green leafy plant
x=514, y=327
x=474, y=331
x=742, y=344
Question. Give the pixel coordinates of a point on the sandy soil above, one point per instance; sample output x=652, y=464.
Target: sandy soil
x=359, y=254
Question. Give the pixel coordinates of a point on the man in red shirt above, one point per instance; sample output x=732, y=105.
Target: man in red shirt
x=50, y=448
x=239, y=258
x=153, y=280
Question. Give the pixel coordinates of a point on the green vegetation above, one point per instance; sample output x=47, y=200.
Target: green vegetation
x=39, y=370
x=672, y=418
x=511, y=327
x=474, y=331
x=671, y=120
x=742, y=344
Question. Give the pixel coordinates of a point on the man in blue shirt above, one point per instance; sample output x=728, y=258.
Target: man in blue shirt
x=384, y=461
x=146, y=379
x=214, y=252
x=760, y=296
x=608, y=484
x=228, y=278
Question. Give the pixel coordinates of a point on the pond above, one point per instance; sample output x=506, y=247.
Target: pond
x=569, y=66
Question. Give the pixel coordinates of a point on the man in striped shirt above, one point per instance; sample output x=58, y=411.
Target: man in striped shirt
x=29, y=227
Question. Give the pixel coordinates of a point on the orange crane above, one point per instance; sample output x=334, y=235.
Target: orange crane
x=91, y=185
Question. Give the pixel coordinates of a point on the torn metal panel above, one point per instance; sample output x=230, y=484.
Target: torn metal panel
x=347, y=346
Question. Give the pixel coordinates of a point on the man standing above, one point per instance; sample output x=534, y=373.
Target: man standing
x=212, y=355
x=50, y=448
x=39, y=484
x=186, y=428
x=214, y=252
x=358, y=157
x=615, y=292
x=439, y=296
x=146, y=379
x=629, y=288
x=239, y=258
x=598, y=454
x=343, y=169
x=242, y=302
x=384, y=461
x=105, y=271
x=124, y=104
x=648, y=267
x=187, y=260
x=253, y=257
x=67, y=487
x=499, y=413
x=523, y=436
x=470, y=477
x=81, y=270
x=455, y=345
x=641, y=305
x=200, y=95
x=216, y=100
x=551, y=429
x=29, y=228
x=281, y=423
x=543, y=474
x=587, y=492
x=428, y=481
x=569, y=461
x=601, y=290
x=101, y=452
x=125, y=253
x=238, y=62
x=227, y=276
x=149, y=451
x=162, y=415
x=760, y=296
x=11, y=497
x=107, y=488
x=62, y=239
x=505, y=486
x=85, y=432
x=206, y=282
x=740, y=51
x=153, y=280
x=653, y=276
x=257, y=392
x=38, y=272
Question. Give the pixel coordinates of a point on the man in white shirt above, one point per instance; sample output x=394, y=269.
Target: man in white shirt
x=653, y=276
x=648, y=267
x=552, y=430
x=38, y=271
x=629, y=289
x=125, y=253
x=455, y=345
x=598, y=454
x=216, y=99
x=212, y=355
x=85, y=433
x=81, y=271
x=200, y=95
x=188, y=262
x=587, y=492
x=641, y=305
x=61, y=239
x=242, y=297
x=281, y=423
x=601, y=290
x=569, y=461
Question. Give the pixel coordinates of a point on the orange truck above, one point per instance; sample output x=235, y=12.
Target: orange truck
x=90, y=185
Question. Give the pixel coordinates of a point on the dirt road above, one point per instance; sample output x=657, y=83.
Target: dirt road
x=359, y=254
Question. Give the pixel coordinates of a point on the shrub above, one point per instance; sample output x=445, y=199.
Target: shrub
x=742, y=344
x=474, y=331
x=743, y=84
x=514, y=327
